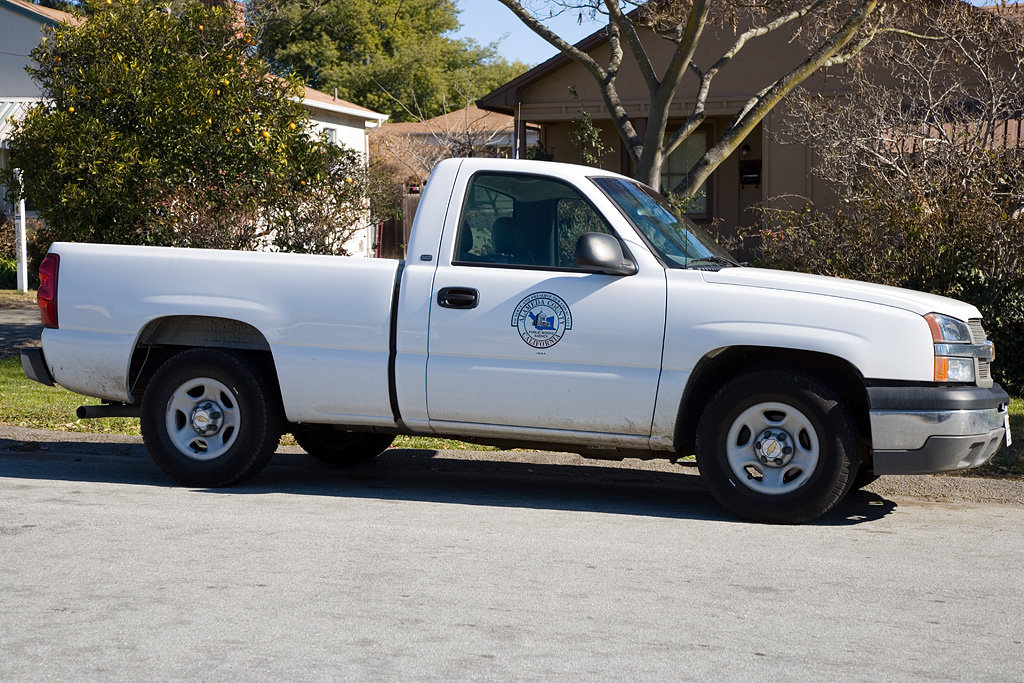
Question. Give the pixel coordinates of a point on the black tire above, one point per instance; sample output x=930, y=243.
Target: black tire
x=758, y=416
x=234, y=397
x=340, y=448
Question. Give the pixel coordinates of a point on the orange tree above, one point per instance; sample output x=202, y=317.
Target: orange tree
x=159, y=127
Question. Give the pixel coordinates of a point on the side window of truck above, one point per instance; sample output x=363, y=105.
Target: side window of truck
x=575, y=217
x=523, y=220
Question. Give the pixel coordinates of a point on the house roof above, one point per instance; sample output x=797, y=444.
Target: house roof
x=505, y=98
x=321, y=100
x=470, y=118
x=45, y=14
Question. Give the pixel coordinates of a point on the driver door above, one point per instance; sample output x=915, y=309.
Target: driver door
x=520, y=336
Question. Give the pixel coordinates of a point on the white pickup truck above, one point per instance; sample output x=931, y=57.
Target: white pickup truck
x=541, y=305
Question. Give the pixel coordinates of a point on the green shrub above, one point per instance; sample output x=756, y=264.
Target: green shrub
x=8, y=262
x=39, y=240
x=160, y=127
x=8, y=272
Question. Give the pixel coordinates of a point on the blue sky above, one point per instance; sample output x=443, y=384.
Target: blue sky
x=487, y=21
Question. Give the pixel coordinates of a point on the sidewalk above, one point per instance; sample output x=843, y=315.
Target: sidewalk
x=18, y=327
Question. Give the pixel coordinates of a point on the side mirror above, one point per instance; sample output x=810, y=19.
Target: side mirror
x=602, y=253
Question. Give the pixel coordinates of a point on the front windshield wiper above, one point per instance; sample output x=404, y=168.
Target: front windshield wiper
x=714, y=259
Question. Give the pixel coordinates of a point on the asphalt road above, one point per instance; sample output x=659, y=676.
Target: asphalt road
x=448, y=566
x=18, y=327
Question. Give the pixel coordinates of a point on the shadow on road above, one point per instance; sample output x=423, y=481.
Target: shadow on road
x=18, y=327
x=424, y=476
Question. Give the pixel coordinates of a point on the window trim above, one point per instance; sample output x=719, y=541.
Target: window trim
x=520, y=266
x=708, y=127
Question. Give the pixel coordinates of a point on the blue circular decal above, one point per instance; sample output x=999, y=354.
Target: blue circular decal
x=542, y=318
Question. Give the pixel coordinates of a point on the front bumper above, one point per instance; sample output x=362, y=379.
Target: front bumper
x=922, y=429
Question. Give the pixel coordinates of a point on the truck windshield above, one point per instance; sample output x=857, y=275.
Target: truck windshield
x=676, y=239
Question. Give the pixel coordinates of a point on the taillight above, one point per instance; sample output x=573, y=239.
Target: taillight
x=47, y=295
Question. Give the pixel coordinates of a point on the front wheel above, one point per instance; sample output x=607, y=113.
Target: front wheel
x=209, y=418
x=777, y=446
x=341, y=448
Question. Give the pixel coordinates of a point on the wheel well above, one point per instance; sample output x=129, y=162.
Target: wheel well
x=717, y=368
x=165, y=337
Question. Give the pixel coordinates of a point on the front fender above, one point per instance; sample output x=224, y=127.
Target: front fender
x=877, y=340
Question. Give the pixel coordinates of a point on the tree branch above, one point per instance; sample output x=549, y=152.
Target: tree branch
x=761, y=104
x=604, y=77
x=577, y=55
x=757, y=32
x=626, y=27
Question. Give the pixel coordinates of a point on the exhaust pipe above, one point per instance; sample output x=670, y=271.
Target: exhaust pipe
x=107, y=410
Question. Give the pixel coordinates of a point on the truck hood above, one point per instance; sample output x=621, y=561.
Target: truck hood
x=883, y=295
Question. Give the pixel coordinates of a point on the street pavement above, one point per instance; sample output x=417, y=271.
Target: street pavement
x=451, y=566
x=18, y=327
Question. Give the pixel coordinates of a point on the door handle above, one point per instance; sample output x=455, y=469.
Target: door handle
x=458, y=297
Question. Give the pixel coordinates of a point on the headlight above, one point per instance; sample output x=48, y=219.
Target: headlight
x=955, y=352
x=952, y=369
x=949, y=330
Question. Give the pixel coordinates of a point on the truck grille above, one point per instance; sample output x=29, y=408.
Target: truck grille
x=977, y=331
x=984, y=371
x=978, y=337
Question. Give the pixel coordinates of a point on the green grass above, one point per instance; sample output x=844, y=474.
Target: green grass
x=431, y=443
x=12, y=298
x=1009, y=462
x=24, y=403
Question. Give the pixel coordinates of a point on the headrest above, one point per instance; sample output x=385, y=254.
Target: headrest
x=503, y=235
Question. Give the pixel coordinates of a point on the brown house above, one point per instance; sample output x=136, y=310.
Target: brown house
x=764, y=169
x=410, y=150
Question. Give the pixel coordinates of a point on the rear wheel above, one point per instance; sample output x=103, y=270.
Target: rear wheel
x=777, y=446
x=342, y=448
x=209, y=418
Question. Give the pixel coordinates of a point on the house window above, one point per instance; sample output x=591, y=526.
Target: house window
x=674, y=170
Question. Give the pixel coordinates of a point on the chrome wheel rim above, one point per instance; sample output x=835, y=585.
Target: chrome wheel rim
x=772, y=448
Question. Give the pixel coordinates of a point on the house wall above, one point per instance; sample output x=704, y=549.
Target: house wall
x=543, y=97
x=789, y=182
x=19, y=35
x=784, y=168
x=348, y=131
x=761, y=62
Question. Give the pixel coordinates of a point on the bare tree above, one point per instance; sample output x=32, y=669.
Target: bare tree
x=411, y=150
x=832, y=31
x=929, y=108
x=925, y=148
